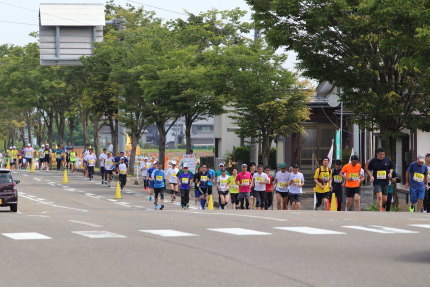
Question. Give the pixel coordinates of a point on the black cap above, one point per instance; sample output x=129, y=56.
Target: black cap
x=354, y=157
x=338, y=162
x=295, y=165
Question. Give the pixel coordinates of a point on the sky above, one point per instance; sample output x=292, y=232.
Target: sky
x=19, y=18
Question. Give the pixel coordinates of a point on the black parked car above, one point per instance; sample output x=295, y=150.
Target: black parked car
x=8, y=190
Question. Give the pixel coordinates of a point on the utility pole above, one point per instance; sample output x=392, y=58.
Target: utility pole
x=254, y=141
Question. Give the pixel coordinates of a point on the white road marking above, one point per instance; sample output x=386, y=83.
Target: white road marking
x=85, y=223
x=380, y=229
x=421, y=225
x=231, y=214
x=52, y=203
x=36, y=215
x=239, y=231
x=309, y=230
x=99, y=234
x=113, y=200
x=168, y=233
x=26, y=236
x=25, y=174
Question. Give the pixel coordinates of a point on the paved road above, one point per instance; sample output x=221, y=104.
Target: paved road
x=77, y=235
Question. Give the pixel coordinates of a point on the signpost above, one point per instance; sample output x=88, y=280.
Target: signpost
x=190, y=160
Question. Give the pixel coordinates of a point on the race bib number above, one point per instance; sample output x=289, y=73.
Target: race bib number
x=159, y=178
x=235, y=186
x=29, y=153
x=354, y=176
x=203, y=178
x=173, y=174
x=91, y=162
x=259, y=179
x=418, y=177
x=297, y=181
x=337, y=179
x=185, y=180
x=282, y=185
x=381, y=174
x=223, y=182
x=123, y=171
x=245, y=182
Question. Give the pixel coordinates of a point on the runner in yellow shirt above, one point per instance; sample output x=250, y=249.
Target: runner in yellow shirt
x=322, y=179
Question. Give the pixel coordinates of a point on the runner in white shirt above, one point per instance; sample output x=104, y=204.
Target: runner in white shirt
x=29, y=151
x=109, y=166
x=297, y=180
x=122, y=173
x=280, y=184
x=102, y=158
x=41, y=156
x=222, y=187
x=91, y=163
x=171, y=174
x=144, y=166
x=260, y=181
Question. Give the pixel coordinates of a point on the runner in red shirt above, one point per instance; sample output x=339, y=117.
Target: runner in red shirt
x=269, y=194
x=244, y=180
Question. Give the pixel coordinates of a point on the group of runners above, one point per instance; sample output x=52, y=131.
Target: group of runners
x=250, y=187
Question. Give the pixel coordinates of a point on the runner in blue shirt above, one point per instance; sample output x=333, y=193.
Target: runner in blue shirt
x=185, y=179
x=151, y=179
x=417, y=179
x=159, y=185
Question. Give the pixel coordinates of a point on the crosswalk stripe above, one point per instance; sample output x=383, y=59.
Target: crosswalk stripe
x=309, y=230
x=26, y=236
x=380, y=229
x=239, y=231
x=98, y=234
x=421, y=225
x=168, y=233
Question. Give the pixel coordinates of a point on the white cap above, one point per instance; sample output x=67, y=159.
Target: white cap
x=43, y=145
x=10, y=147
x=173, y=162
x=185, y=165
x=14, y=146
x=29, y=145
x=421, y=158
x=221, y=164
x=145, y=158
x=47, y=144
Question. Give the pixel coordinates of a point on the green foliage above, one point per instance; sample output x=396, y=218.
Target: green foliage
x=374, y=51
x=240, y=154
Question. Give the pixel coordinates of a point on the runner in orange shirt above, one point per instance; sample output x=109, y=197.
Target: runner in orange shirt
x=353, y=175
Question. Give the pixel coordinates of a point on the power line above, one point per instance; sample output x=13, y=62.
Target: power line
x=158, y=8
x=20, y=23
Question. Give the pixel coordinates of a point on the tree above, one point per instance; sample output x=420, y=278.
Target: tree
x=198, y=84
x=366, y=48
x=268, y=100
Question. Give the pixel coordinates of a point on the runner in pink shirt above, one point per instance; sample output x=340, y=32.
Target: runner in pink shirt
x=244, y=180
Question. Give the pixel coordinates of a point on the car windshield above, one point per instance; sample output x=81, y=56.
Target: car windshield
x=6, y=178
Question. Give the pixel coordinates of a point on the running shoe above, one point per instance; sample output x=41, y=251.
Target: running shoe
x=412, y=209
x=150, y=198
x=156, y=206
x=162, y=207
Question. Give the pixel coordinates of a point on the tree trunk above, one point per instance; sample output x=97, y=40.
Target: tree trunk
x=162, y=146
x=188, y=125
x=388, y=140
x=266, y=144
x=50, y=126
x=30, y=138
x=61, y=128
x=72, y=131
x=134, y=142
x=113, y=125
x=96, y=135
x=39, y=133
x=85, y=127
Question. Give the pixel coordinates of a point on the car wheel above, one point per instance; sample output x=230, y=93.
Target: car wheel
x=14, y=207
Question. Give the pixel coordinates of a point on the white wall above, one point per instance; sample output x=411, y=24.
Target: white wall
x=223, y=129
x=423, y=142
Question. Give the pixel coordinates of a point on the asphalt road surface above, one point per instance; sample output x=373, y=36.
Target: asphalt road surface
x=79, y=235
